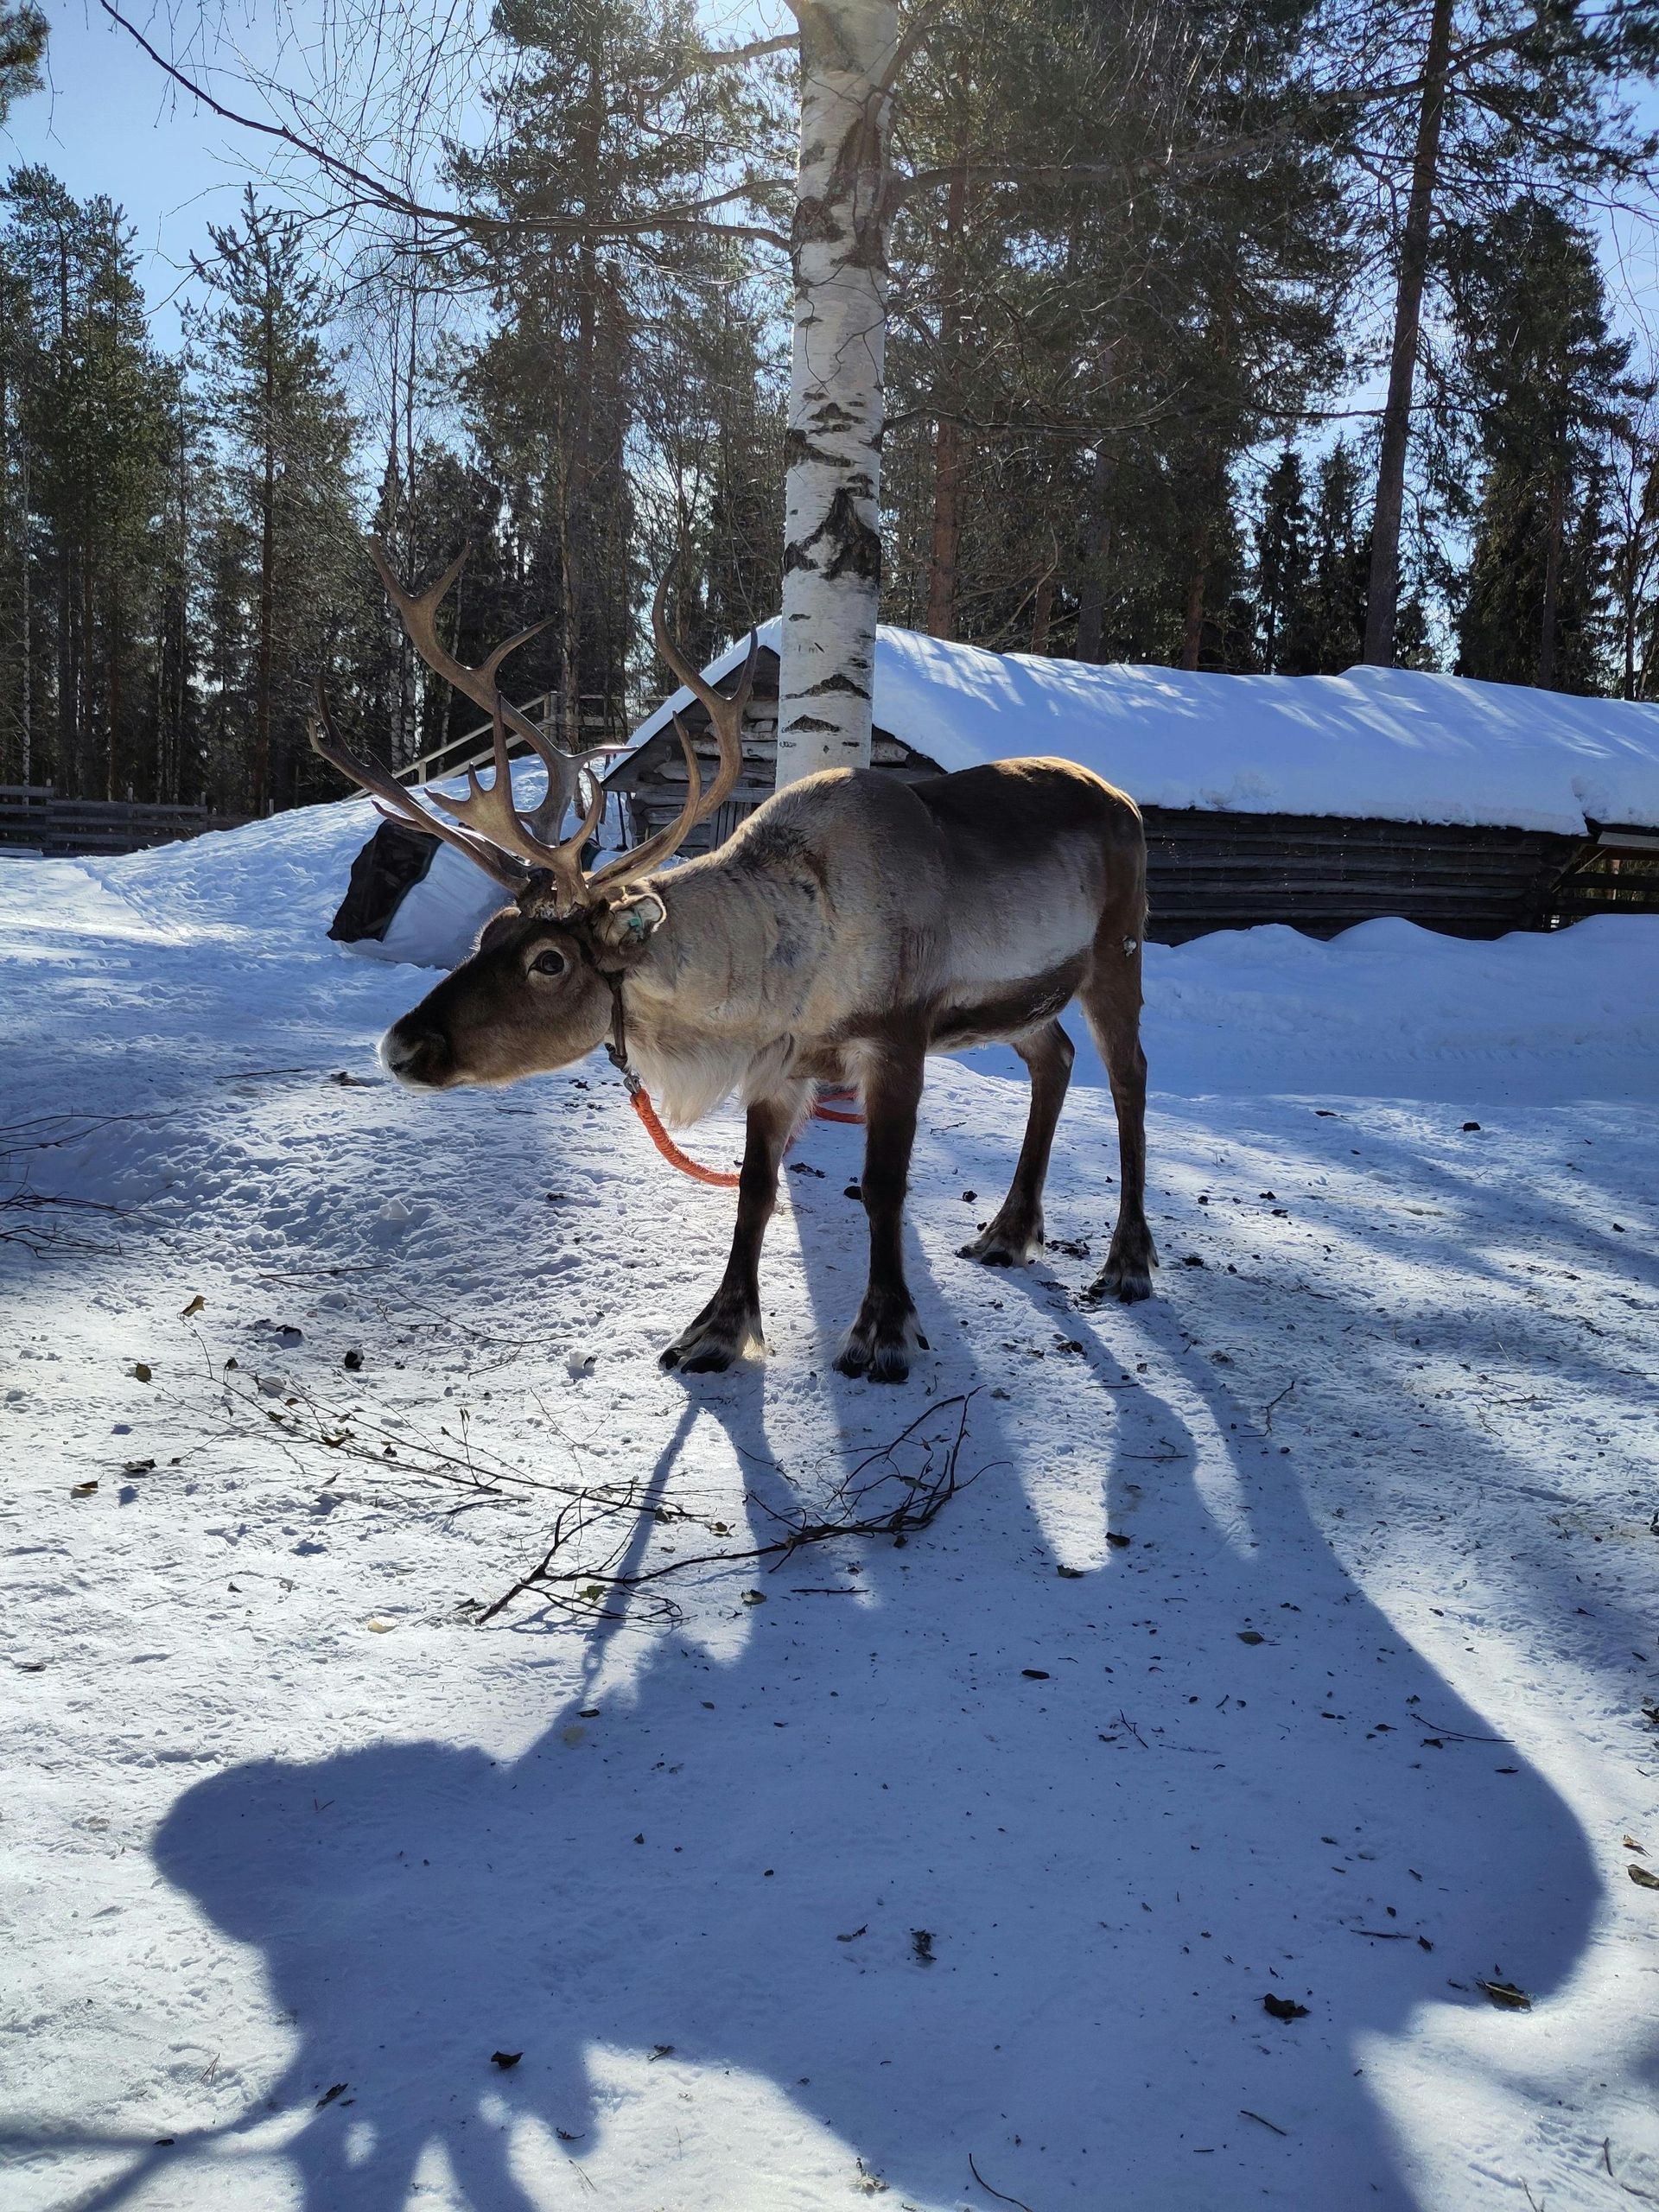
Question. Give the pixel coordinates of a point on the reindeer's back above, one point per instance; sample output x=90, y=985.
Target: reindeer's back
x=1016, y=814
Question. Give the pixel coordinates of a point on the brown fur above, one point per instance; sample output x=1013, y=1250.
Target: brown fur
x=853, y=925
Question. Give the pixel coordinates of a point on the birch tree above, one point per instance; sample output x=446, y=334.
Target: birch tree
x=832, y=488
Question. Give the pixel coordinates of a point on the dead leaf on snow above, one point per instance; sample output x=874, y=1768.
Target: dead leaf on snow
x=1506, y=1994
x=1283, y=2008
x=195, y=1306
x=1642, y=1876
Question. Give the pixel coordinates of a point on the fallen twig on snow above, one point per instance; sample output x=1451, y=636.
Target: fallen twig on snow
x=1267, y=1416
x=1000, y=2195
x=50, y=1133
x=888, y=1504
x=1244, y=2113
x=1628, y=2188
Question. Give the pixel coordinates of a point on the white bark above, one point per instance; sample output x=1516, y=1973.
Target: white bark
x=832, y=542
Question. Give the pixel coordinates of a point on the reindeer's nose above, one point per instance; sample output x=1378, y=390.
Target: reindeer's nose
x=420, y=1058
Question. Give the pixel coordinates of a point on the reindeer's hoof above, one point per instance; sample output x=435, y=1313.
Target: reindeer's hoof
x=713, y=1360
x=1004, y=1245
x=714, y=1340
x=878, y=1347
x=1127, y=1276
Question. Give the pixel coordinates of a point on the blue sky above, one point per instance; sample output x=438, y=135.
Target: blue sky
x=107, y=122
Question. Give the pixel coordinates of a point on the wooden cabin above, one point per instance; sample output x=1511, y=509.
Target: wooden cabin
x=1315, y=801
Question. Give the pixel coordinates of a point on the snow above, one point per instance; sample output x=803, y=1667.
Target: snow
x=278, y=1818
x=1387, y=745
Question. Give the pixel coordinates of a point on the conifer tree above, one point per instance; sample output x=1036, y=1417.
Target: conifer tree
x=85, y=466
x=1546, y=384
x=274, y=389
x=1281, y=556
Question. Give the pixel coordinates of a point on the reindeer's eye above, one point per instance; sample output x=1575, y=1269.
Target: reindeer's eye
x=550, y=962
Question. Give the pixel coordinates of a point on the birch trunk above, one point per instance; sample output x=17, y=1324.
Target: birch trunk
x=832, y=541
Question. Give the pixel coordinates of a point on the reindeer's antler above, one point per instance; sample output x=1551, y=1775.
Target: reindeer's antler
x=726, y=717
x=495, y=834
x=391, y=798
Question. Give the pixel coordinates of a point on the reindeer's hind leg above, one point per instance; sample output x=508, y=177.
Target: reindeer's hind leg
x=729, y=1325
x=1111, y=998
x=1015, y=1234
x=878, y=1343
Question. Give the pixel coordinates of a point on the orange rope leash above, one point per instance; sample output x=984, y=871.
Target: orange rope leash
x=640, y=1099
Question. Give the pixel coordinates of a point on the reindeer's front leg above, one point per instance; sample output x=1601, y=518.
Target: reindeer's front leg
x=728, y=1326
x=878, y=1343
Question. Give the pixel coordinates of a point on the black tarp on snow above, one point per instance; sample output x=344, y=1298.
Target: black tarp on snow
x=383, y=876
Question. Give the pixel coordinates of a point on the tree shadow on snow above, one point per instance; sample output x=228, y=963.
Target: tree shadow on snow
x=1121, y=1804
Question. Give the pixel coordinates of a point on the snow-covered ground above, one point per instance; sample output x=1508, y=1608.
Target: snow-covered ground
x=1291, y=1641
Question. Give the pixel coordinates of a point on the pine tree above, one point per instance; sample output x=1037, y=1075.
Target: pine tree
x=22, y=43
x=85, y=462
x=1281, y=556
x=1325, y=632
x=274, y=389
x=1490, y=89
x=1546, y=385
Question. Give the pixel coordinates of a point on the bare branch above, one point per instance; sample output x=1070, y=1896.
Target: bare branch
x=453, y=222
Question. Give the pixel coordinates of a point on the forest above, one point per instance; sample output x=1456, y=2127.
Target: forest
x=1270, y=337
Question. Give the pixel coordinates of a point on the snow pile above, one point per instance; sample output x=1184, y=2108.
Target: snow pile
x=1376, y=744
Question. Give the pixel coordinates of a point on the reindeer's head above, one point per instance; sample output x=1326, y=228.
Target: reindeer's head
x=541, y=989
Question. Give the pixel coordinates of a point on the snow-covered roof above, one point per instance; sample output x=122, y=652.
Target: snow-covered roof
x=1375, y=744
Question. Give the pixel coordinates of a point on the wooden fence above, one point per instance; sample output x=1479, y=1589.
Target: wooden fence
x=34, y=819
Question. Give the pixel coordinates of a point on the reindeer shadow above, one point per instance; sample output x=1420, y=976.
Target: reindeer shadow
x=1117, y=1826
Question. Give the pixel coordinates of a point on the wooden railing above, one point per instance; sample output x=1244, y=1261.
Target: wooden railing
x=474, y=748
x=34, y=819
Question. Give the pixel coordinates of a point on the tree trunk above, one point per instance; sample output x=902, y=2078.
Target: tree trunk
x=1042, y=613
x=1096, y=548
x=27, y=672
x=1193, y=628
x=1383, y=601
x=261, y=778
x=832, y=523
x=1556, y=529
x=947, y=457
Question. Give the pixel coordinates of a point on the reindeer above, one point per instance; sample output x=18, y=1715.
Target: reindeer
x=852, y=926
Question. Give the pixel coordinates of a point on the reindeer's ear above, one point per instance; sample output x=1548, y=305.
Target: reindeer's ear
x=627, y=924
